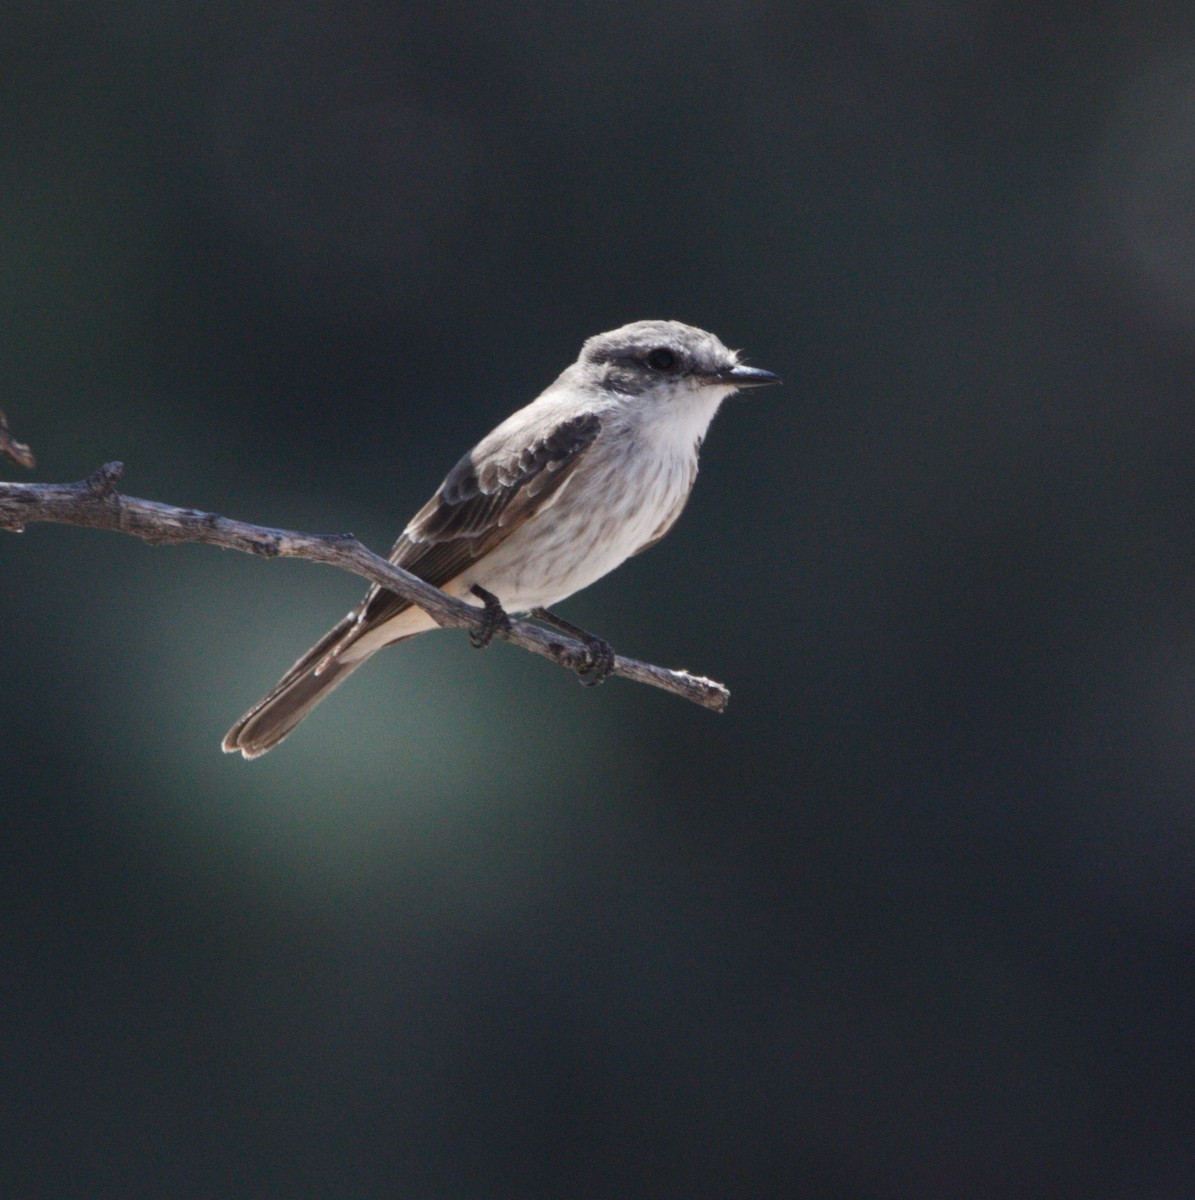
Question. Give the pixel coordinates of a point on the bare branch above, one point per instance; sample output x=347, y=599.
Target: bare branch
x=11, y=448
x=94, y=503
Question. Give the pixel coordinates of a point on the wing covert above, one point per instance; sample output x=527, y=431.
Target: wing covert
x=475, y=509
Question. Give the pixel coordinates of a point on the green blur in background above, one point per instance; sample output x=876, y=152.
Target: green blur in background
x=914, y=919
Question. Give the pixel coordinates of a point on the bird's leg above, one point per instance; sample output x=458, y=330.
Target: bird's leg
x=601, y=653
x=493, y=618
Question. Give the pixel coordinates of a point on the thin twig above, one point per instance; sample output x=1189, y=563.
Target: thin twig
x=94, y=503
x=11, y=448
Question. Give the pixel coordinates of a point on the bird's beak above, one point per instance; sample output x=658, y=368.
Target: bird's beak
x=742, y=376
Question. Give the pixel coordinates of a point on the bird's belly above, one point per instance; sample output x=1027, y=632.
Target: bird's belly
x=598, y=522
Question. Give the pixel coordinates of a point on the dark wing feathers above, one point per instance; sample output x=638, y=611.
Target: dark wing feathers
x=470, y=502
x=473, y=511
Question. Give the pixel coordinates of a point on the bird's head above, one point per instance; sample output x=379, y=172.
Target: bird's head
x=665, y=361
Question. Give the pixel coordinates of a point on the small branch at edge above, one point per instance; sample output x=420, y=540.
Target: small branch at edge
x=11, y=448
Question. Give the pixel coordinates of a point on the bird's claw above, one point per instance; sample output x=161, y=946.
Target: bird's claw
x=493, y=618
x=600, y=661
x=598, y=664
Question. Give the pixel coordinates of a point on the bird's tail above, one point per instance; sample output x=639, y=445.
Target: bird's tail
x=324, y=667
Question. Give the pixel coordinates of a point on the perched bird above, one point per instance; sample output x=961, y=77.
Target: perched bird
x=597, y=468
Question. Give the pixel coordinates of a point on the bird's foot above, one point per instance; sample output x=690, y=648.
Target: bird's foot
x=493, y=618
x=599, y=661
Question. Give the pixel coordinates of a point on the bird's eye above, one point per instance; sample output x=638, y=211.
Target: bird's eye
x=661, y=359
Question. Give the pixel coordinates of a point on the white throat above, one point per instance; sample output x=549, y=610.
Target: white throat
x=680, y=424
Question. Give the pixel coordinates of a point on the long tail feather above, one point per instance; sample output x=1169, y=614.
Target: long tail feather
x=320, y=670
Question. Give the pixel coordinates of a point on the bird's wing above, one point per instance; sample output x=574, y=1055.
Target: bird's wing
x=477, y=507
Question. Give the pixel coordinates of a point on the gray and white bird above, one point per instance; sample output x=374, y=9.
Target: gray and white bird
x=594, y=470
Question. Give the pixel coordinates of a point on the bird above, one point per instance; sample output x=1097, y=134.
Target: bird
x=594, y=470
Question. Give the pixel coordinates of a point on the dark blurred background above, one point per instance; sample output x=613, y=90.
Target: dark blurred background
x=915, y=917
